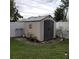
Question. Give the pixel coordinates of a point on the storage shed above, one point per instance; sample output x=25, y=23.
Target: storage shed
x=42, y=27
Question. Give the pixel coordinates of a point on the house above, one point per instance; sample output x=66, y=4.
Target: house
x=42, y=28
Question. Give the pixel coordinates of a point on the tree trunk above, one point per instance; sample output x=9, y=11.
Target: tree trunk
x=65, y=15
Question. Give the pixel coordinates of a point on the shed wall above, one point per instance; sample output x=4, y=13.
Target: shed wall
x=50, y=18
x=42, y=27
x=35, y=30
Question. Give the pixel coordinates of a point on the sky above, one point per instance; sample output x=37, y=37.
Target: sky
x=29, y=8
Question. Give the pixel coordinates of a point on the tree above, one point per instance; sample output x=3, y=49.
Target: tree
x=14, y=14
x=65, y=6
x=58, y=14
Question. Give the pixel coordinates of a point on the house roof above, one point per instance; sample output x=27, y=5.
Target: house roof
x=39, y=18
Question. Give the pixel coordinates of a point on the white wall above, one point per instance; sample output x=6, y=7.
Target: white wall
x=13, y=26
x=65, y=25
x=65, y=28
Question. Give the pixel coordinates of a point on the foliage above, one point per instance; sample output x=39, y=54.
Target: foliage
x=14, y=14
x=65, y=6
x=58, y=14
x=61, y=12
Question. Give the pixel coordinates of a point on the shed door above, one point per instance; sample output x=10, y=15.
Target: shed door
x=48, y=29
x=19, y=32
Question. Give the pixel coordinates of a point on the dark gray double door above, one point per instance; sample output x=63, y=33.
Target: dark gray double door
x=48, y=29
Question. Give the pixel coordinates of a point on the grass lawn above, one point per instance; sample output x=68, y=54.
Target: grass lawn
x=23, y=50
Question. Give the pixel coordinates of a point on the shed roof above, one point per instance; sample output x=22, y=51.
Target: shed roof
x=39, y=18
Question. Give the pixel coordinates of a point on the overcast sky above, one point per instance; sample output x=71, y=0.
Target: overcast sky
x=28, y=8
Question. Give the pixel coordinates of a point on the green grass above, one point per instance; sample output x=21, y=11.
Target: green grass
x=22, y=50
